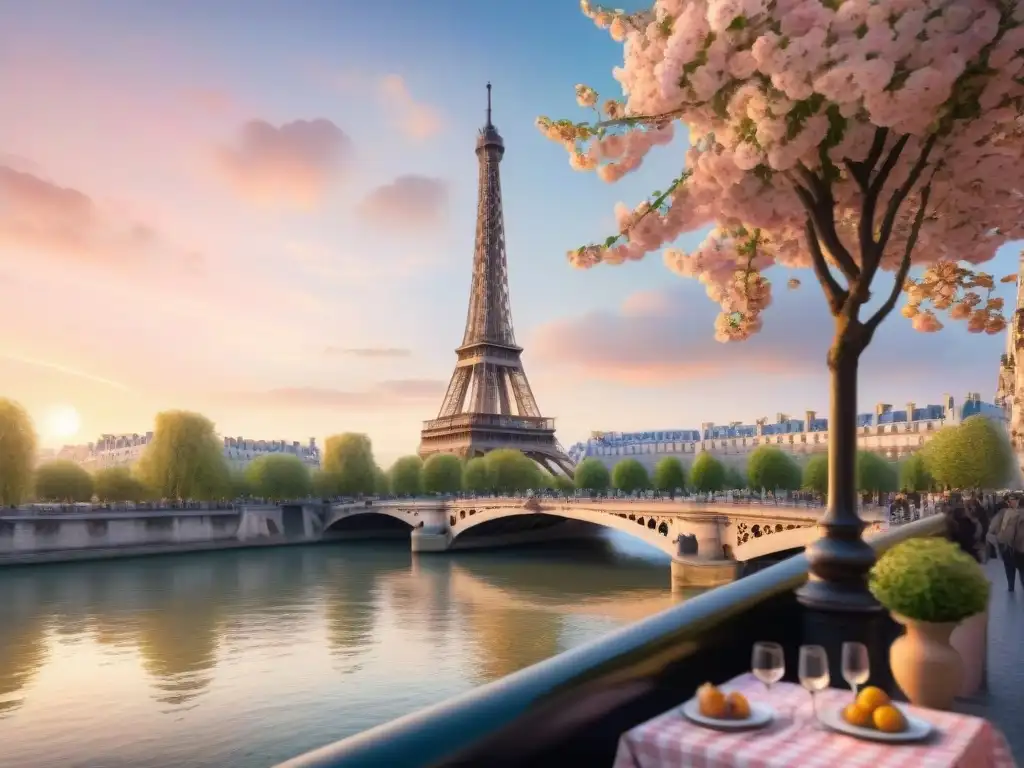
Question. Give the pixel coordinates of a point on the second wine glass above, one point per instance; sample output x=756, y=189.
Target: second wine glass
x=856, y=665
x=813, y=672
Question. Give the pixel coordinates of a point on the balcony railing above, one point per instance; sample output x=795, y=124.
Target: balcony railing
x=572, y=708
x=490, y=420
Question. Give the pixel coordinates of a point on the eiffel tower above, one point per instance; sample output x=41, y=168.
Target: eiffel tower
x=489, y=403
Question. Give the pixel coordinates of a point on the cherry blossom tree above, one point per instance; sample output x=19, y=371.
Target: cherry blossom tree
x=850, y=137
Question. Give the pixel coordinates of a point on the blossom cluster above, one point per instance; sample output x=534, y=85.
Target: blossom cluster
x=950, y=287
x=769, y=90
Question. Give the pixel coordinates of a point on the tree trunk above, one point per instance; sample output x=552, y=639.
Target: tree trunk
x=840, y=559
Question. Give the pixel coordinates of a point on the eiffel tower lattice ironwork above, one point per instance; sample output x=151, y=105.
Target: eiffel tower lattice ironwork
x=489, y=403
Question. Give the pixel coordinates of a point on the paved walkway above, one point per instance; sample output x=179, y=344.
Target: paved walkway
x=1003, y=703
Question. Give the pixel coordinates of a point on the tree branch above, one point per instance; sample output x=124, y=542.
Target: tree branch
x=834, y=292
x=869, y=196
x=893, y=208
x=901, y=273
x=663, y=117
x=890, y=162
x=823, y=212
x=861, y=171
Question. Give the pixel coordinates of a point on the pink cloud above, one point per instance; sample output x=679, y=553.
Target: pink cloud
x=659, y=337
x=291, y=165
x=409, y=203
x=415, y=119
x=65, y=223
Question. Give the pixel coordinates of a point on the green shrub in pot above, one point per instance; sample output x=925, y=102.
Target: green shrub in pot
x=929, y=580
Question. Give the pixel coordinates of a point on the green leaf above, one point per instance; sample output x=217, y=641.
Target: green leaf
x=740, y=22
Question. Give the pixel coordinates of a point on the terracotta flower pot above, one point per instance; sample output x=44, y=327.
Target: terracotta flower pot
x=924, y=664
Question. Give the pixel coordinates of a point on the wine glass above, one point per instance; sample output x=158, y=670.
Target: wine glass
x=813, y=672
x=768, y=663
x=856, y=666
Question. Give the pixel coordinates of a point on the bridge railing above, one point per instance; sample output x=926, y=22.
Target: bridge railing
x=719, y=501
x=572, y=708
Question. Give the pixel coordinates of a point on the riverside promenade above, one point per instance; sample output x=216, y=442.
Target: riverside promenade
x=1003, y=702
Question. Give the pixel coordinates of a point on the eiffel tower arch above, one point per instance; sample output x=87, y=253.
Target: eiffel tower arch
x=489, y=403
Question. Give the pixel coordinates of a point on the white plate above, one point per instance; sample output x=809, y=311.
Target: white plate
x=760, y=716
x=917, y=729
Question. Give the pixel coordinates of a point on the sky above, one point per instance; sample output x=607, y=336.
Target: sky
x=264, y=211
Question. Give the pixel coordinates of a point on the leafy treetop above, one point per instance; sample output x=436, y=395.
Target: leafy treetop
x=63, y=480
x=592, y=475
x=475, y=477
x=707, y=473
x=510, y=471
x=974, y=454
x=406, y=476
x=629, y=475
x=184, y=460
x=875, y=474
x=279, y=476
x=816, y=474
x=669, y=474
x=348, y=460
x=442, y=473
x=17, y=453
x=914, y=474
x=118, y=484
x=770, y=468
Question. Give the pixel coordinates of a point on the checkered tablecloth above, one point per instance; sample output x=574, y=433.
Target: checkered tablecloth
x=794, y=739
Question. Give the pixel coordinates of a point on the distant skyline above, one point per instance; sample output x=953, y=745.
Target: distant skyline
x=265, y=213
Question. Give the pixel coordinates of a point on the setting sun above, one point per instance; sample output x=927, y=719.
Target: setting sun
x=62, y=421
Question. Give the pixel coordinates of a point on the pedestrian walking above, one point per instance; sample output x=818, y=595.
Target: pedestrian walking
x=1007, y=533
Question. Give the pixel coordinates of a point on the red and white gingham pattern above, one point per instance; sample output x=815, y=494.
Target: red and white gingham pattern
x=794, y=739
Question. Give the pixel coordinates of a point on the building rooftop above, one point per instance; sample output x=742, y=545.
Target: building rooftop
x=883, y=414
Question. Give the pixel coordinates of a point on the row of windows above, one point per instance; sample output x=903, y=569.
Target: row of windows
x=890, y=419
x=745, y=442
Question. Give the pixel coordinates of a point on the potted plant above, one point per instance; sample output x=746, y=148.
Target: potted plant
x=929, y=586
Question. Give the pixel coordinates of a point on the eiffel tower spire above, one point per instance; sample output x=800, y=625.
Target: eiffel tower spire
x=489, y=403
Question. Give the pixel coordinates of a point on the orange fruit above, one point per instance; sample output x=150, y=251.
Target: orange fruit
x=739, y=707
x=711, y=702
x=872, y=698
x=888, y=719
x=855, y=714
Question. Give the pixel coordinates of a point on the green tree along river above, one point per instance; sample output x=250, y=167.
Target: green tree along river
x=248, y=657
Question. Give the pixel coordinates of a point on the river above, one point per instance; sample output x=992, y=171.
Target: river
x=247, y=657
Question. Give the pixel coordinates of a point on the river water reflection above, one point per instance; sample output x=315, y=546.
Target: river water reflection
x=248, y=657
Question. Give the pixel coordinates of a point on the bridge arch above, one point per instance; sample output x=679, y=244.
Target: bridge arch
x=656, y=530
x=368, y=518
x=774, y=538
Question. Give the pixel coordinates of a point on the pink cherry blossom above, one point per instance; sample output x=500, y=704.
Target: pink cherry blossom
x=779, y=97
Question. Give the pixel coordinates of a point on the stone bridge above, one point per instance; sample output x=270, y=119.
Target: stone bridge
x=706, y=541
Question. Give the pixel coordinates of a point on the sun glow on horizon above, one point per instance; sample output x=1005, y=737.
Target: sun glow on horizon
x=61, y=422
